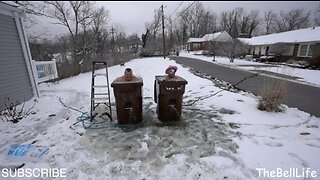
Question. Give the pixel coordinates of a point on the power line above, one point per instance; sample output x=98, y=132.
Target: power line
x=176, y=9
x=158, y=26
x=184, y=11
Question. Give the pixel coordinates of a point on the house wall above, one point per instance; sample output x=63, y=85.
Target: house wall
x=317, y=50
x=256, y=50
x=205, y=45
x=193, y=47
x=14, y=77
x=263, y=50
x=295, y=50
x=291, y=50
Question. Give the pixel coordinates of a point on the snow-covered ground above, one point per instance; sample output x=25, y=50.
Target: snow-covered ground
x=221, y=137
x=307, y=76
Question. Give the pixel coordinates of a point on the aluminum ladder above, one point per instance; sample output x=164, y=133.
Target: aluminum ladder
x=100, y=93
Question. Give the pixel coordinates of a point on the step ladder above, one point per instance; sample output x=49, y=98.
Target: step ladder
x=100, y=93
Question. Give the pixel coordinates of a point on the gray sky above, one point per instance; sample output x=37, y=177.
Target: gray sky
x=132, y=16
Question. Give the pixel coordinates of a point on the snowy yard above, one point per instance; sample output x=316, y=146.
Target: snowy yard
x=221, y=137
x=306, y=76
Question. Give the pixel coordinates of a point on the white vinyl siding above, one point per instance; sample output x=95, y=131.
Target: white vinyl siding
x=14, y=77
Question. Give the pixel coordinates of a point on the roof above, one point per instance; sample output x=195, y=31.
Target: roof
x=195, y=40
x=296, y=36
x=222, y=36
x=209, y=37
x=244, y=40
x=10, y=8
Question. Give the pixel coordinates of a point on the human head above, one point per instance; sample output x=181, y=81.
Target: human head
x=171, y=70
x=128, y=75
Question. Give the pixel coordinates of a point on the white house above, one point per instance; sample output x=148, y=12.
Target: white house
x=303, y=43
x=17, y=79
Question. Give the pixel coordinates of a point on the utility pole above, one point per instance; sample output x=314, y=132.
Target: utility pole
x=164, y=41
x=112, y=41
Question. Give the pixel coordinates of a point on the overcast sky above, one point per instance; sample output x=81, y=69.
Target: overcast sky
x=132, y=16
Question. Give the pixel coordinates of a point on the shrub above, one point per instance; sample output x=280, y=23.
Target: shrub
x=272, y=97
x=315, y=62
x=14, y=112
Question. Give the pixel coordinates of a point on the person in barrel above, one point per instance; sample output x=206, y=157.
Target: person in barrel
x=128, y=76
x=171, y=72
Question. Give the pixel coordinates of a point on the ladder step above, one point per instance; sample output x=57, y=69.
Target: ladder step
x=99, y=99
x=100, y=94
x=105, y=103
x=99, y=62
x=99, y=74
x=100, y=86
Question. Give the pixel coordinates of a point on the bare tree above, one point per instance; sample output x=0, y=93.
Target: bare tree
x=248, y=22
x=231, y=49
x=99, y=25
x=254, y=23
x=153, y=29
x=229, y=21
x=269, y=18
x=134, y=42
x=197, y=20
x=33, y=10
x=74, y=15
x=317, y=16
x=239, y=22
x=292, y=20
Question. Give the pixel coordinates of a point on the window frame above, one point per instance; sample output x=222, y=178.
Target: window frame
x=308, y=50
x=196, y=45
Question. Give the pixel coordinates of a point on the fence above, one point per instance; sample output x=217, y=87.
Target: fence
x=45, y=70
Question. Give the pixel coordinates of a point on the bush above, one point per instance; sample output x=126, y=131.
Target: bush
x=14, y=112
x=315, y=62
x=272, y=97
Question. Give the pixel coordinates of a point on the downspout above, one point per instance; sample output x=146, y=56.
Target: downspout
x=26, y=54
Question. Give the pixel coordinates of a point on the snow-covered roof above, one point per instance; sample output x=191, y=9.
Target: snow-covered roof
x=195, y=40
x=222, y=36
x=209, y=37
x=244, y=40
x=296, y=36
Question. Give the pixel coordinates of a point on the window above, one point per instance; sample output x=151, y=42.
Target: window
x=196, y=45
x=306, y=50
x=311, y=49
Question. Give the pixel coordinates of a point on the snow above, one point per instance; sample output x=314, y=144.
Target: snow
x=224, y=136
x=306, y=76
x=244, y=40
x=195, y=40
x=300, y=36
x=222, y=36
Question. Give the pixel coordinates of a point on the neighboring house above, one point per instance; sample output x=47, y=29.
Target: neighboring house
x=302, y=44
x=206, y=42
x=17, y=79
x=195, y=44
